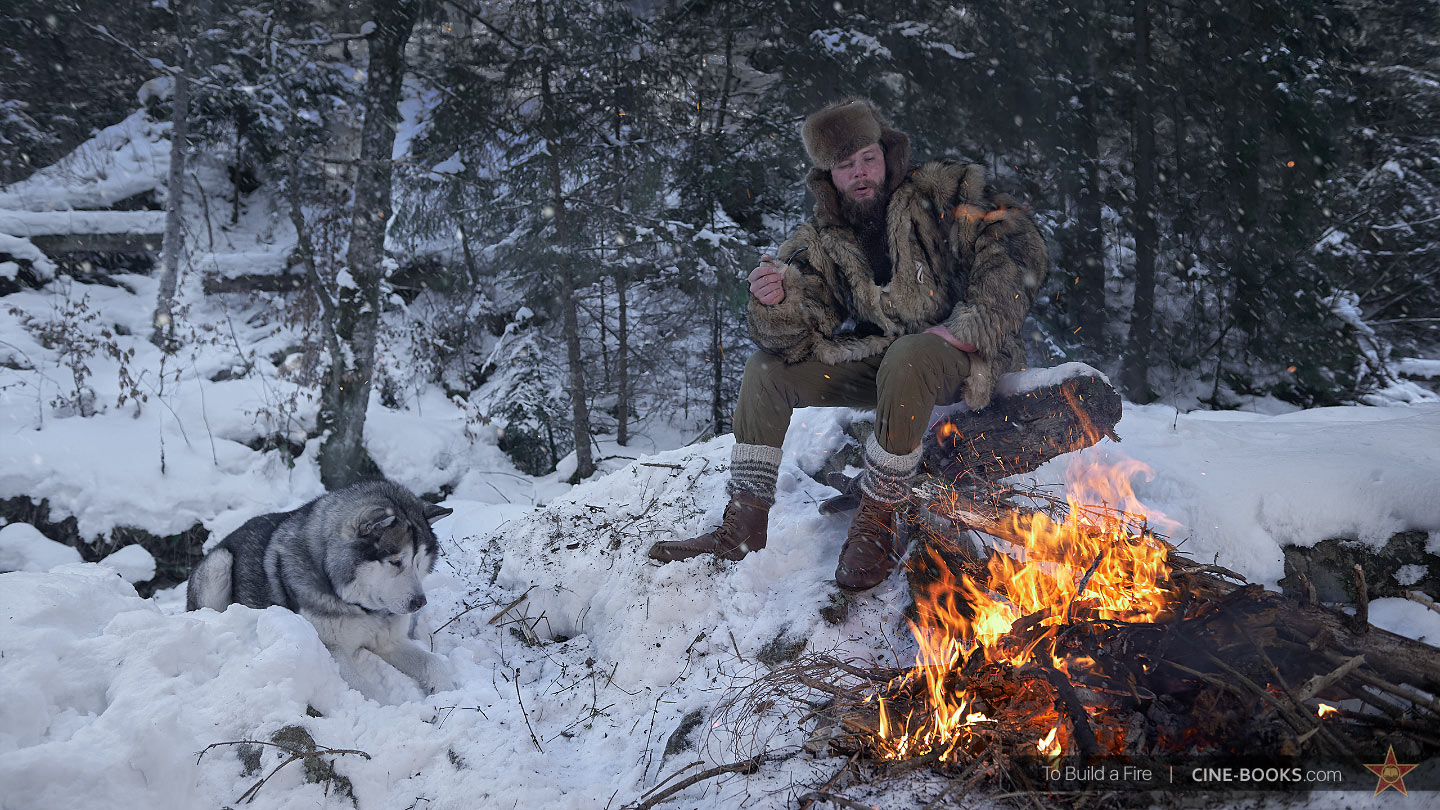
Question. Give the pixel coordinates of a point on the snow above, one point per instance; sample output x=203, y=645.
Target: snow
x=20, y=248
x=841, y=41
x=1418, y=367
x=1406, y=618
x=120, y=161
x=45, y=223
x=450, y=165
x=132, y=563
x=1035, y=378
x=1409, y=574
x=156, y=90
x=24, y=548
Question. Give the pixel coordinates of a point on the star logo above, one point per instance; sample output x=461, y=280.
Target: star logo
x=1391, y=773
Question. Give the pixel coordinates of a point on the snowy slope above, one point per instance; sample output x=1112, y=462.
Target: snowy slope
x=607, y=652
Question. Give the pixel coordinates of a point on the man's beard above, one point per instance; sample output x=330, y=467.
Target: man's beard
x=868, y=213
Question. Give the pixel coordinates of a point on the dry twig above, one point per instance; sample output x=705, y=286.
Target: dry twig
x=1362, y=600
x=295, y=756
x=1416, y=596
x=835, y=799
x=523, y=713
x=746, y=766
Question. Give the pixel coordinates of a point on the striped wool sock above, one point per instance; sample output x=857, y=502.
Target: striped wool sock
x=887, y=476
x=753, y=469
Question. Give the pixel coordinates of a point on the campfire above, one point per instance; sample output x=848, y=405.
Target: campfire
x=1027, y=618
x=1079, y=635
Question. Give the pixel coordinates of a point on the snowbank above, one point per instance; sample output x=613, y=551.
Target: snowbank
x=120, y=161
x=1242, y=485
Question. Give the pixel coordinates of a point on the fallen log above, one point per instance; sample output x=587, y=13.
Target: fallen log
x=253, y=283
x=1035, y=415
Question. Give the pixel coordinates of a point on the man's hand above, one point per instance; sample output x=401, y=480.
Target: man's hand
x=951, y=339
x=765, y=282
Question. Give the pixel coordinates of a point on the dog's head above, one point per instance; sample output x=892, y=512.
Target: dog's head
x=392, y=549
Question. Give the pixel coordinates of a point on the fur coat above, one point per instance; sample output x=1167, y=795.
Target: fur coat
x=962, y=256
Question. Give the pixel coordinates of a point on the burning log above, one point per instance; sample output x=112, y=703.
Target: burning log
x=1035, y=416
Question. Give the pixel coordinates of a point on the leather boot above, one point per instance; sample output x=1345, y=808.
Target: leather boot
x=741, y=531
x=871, y=548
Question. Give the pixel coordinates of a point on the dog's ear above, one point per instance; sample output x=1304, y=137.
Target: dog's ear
x=434, y=512
x=375, y=521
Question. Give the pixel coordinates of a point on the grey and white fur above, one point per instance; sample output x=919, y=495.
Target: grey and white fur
x=351, y=563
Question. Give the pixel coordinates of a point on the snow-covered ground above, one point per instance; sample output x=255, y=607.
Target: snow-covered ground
x=571, y=696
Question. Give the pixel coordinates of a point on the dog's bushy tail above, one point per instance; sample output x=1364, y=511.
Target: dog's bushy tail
x=210, y=582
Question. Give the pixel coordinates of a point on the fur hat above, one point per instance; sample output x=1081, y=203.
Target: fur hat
x=844, y=128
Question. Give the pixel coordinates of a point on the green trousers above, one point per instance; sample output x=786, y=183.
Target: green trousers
x=902, y=385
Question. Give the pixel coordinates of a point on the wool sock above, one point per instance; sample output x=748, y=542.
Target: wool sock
x=887, y=476
x=753, y=470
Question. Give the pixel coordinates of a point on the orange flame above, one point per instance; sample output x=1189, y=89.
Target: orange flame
x=1326, y=710
x=1092, y=563
x=1050, y=746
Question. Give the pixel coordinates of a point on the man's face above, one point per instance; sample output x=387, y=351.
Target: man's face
x=860, y=179
x=862, y=175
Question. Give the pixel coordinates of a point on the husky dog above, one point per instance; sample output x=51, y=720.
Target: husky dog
x=350, y=562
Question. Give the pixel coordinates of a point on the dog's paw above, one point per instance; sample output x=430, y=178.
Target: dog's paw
x=439, y=677
x=440, y=685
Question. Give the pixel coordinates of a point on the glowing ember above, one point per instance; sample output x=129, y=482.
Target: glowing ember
x=1326, y=711
x=1092, y=565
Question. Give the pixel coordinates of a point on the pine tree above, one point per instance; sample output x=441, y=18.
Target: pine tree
x=357, y=302
x=1382, y=242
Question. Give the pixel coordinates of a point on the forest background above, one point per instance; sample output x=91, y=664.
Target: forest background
x=1241, y=199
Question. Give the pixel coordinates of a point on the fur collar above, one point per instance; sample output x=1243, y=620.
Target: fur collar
x=920, y=292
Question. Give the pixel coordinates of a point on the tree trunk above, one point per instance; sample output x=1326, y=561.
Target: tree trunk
x=604, y=329
x=622, y=363
x=342, y=457
x=719, y=414
x=163, y=321
x=1091, y=270
x=1089, y=243
x=622, y=281
x=242, y=126
x=1246, y=307
x=717, y=364
x=579, y=394
x=472, y=269
x=1142, y=313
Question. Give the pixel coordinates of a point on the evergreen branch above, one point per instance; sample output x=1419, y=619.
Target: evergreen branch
x=474, y=16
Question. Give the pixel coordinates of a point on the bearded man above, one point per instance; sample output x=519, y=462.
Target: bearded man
x=907, y=289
